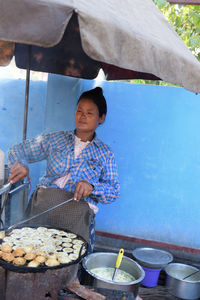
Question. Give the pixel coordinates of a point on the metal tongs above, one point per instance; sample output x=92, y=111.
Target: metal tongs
x=38, y=215
x=5, y=189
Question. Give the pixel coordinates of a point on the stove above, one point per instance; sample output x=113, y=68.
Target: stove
x=108, y=293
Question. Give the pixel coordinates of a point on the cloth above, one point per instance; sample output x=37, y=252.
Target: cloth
x=61, y=182
x=73, y=216
x=96, y=163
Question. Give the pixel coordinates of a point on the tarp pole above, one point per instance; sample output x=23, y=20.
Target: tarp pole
x=27, y=92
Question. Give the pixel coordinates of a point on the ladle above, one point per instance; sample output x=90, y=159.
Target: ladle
x=118, y=262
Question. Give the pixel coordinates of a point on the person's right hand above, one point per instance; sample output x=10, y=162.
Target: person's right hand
x=18, y=172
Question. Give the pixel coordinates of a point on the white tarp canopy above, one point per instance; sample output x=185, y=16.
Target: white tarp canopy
x=130, y=34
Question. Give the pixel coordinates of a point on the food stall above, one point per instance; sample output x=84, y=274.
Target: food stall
x=80, y=38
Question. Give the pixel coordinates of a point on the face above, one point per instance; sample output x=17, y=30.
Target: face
x=87, y=116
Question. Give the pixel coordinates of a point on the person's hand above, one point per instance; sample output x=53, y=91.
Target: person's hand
x=17, y=172
x=83, y=189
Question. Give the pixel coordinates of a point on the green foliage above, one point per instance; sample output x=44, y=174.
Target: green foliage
x=185, y=19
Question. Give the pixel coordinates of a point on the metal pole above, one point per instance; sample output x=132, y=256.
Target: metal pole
x=27, y=92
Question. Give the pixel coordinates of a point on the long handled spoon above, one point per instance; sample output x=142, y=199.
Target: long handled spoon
x=118, y=262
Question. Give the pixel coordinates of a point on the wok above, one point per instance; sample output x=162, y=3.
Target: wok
x=43, y=268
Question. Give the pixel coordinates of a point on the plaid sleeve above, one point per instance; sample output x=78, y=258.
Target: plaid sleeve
x=107, y=189
x=30, y=150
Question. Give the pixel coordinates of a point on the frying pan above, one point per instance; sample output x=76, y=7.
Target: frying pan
x=43, y=268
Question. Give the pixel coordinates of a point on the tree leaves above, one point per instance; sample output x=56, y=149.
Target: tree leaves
x=186, y=21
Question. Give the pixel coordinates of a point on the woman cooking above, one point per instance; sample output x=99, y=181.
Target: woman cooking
x=79, y=166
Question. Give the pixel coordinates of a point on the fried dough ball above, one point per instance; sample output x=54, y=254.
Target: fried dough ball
x=41, y=259
x=67, y=245
x=2, y=234
x=19, y=252
x=7, y=256
x=64, y=259
x=68, y=250
x=34, y=264
x=28, y=248
x=30, y=256
x=19, y=261
x=52, y=255
x=66, y=240
x=6, y=248
x=58, y=248
x=73, y=256
x=77, y=241
x=71, y=235
x=52, y=262
x=40, y=253
x=77, y=246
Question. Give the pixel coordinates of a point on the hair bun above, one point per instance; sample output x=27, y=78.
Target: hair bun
x=98, y=90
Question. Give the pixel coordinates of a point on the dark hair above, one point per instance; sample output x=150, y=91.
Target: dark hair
x=96, y=95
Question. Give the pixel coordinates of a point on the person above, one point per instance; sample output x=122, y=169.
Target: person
x=77, y=162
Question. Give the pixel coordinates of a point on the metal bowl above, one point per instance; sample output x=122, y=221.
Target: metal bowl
x=152, y=258
x=106, y=259
x=188, y=288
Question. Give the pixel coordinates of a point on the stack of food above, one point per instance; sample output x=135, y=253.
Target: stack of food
x=37, y=247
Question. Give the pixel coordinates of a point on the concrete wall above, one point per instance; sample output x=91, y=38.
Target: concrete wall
x=154, y=133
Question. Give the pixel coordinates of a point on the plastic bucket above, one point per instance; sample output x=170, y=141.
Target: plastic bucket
x=151, y=277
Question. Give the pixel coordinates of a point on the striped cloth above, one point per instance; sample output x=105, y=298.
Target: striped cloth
x=96, y=163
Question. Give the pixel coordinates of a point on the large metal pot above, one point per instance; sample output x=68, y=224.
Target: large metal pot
x=106, y=259
x=188, y=288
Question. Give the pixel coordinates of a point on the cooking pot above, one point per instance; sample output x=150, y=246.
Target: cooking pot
x=188, y=288
x=106, y=259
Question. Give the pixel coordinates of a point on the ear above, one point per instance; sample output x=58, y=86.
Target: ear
x=102, y=119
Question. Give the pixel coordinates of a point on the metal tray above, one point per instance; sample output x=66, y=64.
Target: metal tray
x=43, y=268
x=152, y=258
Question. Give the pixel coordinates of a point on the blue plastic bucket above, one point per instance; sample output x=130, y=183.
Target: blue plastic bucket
x=151, y=277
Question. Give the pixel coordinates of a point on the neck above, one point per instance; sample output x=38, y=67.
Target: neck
x=85, y=136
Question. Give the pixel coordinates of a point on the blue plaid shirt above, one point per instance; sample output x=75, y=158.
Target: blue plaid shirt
x=96, y=163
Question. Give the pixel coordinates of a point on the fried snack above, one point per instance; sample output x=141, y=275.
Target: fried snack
x=52, y=262
x=66, y=240
x=19, y=261
x=1, y=252
x=34, y=264
x=52, y=255
x=30, y=256
x=40, y=252
x=41, y=259
x=2, y=234
x=68, y=250
x=71, y=235
x=6, y=248
x=19, y=252
x=77, y=246
x=73, y=256
x=66, y=245
x=7, y=256
x=28, y=248
x=77, y=241
x=64, y=259
x=58, y=248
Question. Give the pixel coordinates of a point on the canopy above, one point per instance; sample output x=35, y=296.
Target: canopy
x=128, y=39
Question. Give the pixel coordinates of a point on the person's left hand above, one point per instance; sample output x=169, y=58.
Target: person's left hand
x=83, y=189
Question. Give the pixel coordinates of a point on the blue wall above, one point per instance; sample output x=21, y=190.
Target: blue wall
x=154, y=133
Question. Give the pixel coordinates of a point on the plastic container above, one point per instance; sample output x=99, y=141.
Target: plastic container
x=2, y=169
x=151, y=277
